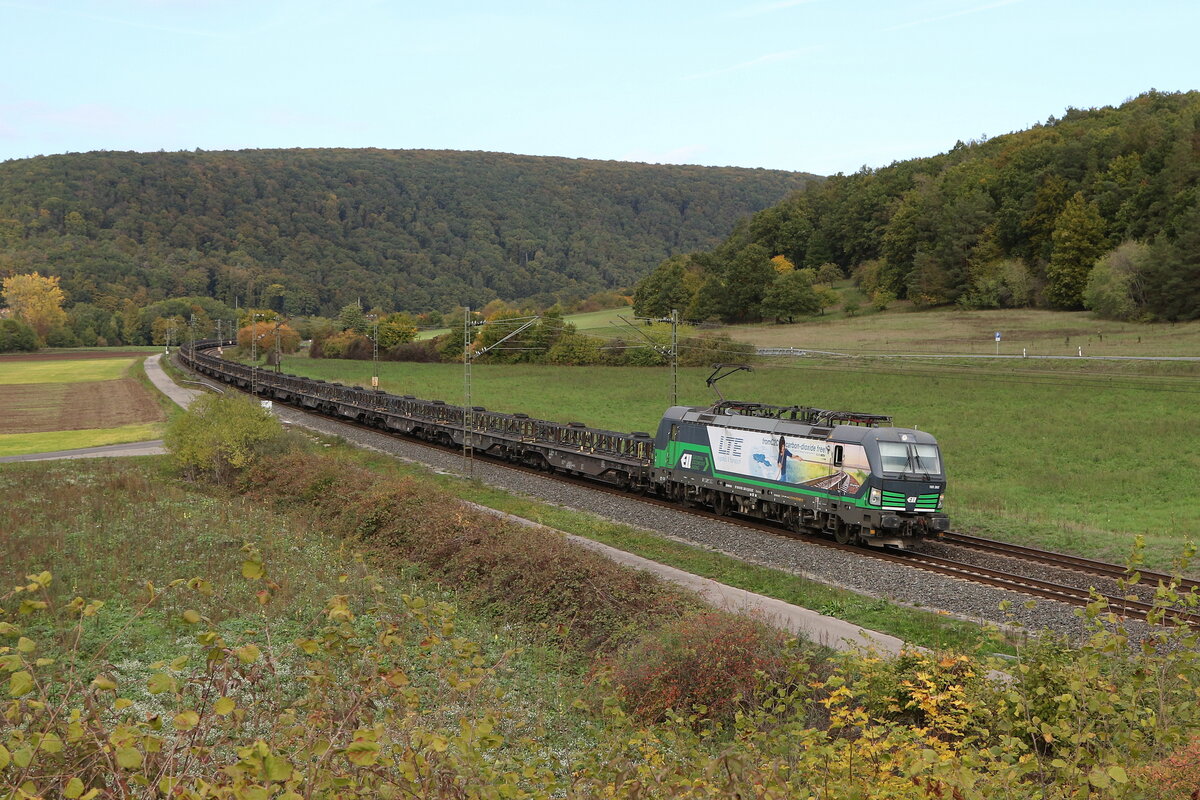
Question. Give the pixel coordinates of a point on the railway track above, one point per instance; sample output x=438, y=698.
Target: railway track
x=1034, y=587
x=1051, y=558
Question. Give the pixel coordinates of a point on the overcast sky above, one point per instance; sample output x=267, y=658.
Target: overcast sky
x=812, y=85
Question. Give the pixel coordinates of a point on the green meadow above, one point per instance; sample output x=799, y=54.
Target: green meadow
x=1074, y=460
x=15, y=444
x=63, y=371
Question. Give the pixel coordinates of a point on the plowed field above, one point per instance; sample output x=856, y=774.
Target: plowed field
x=38, y=407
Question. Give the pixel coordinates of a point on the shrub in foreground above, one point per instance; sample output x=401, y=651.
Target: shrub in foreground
x=220, y=436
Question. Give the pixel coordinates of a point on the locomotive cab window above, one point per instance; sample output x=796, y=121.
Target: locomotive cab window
x=928, y=459
x=893, y=456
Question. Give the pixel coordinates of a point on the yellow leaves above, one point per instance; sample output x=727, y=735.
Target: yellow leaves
x=248, y=654
x=396, y=678
x=26, y=645
x=338, y=608
x=37, y=300
x=73, y=789
x=252, y=567
x=30, y=606
x=39, y=581
x=276, y=768
x=191, y=616
x=309, y=646
x=160, y=682
x=50, y=743
x=200, y=585
x=224, y=706
x=362, y=753
x=129, y=757
x=20, y=684
x=104, y=683
x=186, y=720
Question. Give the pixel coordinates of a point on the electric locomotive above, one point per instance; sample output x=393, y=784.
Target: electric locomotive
x=848, y=474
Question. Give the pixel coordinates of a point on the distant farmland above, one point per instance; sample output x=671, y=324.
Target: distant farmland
x=56, y=403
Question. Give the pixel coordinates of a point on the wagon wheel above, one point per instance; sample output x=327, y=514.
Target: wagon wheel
x=721, y=503
x=844, y=534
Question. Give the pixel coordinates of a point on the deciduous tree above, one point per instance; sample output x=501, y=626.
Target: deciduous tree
x=36, y=300
x=790, y=296
x=1078, y=241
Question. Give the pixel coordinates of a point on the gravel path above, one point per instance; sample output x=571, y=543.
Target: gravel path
x=858, y=573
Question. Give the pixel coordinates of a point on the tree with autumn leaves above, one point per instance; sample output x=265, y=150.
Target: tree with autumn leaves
x=37, y=301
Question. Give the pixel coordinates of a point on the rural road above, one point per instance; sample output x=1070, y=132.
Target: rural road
x=151, y=448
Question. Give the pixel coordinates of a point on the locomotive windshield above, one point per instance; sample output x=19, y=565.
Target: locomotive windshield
x=910, y=459
x=928, y=460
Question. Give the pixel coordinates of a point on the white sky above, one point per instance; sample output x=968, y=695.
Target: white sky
x=812, y=85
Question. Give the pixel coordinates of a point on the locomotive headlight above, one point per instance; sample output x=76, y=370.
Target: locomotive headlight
x=939, y=505
x=875, y=497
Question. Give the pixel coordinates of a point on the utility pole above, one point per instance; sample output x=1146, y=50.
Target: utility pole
x=278, y=358
x=374, y=350
x=468, y=410
x=674, y=357
x=672, y=353
x=254, y=354
x=468, y=459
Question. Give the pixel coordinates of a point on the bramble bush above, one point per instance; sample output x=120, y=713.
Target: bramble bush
x=707, y=662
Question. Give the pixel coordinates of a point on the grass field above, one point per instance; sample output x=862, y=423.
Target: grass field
x=906, y=330
x=63, y=371
x=65, y=404
x=1058, y=333
x=17, y=444
x=1079, y=462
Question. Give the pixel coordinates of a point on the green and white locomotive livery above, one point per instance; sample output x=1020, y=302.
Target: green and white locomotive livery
x=844, y=473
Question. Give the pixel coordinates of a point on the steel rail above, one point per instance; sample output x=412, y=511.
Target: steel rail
x=1052, y=558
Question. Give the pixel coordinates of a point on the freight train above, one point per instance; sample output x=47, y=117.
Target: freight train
x=848, y=475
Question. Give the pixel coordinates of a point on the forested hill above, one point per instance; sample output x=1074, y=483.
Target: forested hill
x=1098, y=209
x=308, y=231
